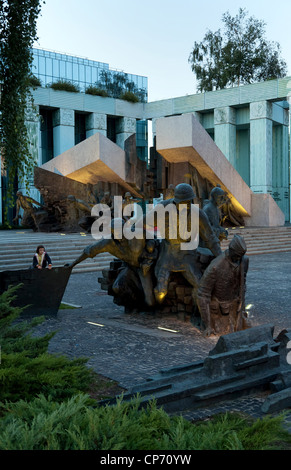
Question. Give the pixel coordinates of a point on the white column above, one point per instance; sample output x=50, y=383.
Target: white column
x=96, y=122
x=64, y=130
x=225, y=132
x=261, y=127
x=125, y=127
x=280, y=171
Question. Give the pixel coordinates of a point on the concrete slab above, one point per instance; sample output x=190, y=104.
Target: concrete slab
x=265, y=212
x=277, y=402
x=183, y=139
x=95, y=159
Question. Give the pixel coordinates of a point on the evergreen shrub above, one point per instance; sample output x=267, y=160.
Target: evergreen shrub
x=26, y=368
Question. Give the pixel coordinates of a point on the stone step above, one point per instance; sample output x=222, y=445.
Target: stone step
x=258, y=243
x=271, y=236
x=17, y=250
x=54, y=256
x=272, y=250
x=56, y=262
x=82, y=267
x=16, y=253
x=260, y=233
x=70, y=253
x=56, y=244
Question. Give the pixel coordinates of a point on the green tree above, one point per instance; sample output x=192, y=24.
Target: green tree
x=17, y=34
x=239, y=55
x=118, y=85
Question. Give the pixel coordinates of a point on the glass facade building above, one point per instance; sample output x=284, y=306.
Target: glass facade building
x=49, y=67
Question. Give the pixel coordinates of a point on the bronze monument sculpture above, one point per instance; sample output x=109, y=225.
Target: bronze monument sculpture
x=130, y=252
x=33, y=211
x=145, y=268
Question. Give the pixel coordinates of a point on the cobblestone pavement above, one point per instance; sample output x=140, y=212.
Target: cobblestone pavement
x=129, y=348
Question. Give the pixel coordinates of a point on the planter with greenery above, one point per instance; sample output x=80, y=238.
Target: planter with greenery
x=96, y=91
x=64, y=85
x=129, y=96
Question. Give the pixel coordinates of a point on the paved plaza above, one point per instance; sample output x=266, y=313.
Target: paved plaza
x=130, y=348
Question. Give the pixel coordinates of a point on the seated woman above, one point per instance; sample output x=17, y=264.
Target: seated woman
x=41, y=259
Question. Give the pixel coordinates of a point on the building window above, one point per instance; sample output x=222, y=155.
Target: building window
x=46, y=134
x=80, y=127
x=111, y=128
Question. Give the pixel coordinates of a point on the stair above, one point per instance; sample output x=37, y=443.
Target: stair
x=18, y=247
x=262, y=240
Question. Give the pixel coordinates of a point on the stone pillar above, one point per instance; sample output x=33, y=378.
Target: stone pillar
x=125, y=127
x=64, y=130
x=286, y=165
x=198, y=116
x=32, y=123
x=96, y=122
x=261, y=126
x=154, y=129
x=225, y=132
x=280, y=165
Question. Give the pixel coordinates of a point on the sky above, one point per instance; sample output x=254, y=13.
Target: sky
x=153, y=38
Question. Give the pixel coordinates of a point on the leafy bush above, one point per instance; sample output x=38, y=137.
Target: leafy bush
x=116, y=84
x=64, y=85
x=94, y=90
x=44, y=424
x=129, y=96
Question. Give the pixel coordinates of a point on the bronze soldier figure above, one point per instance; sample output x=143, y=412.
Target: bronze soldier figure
x=172, y=258
x=27, y=204
x=129, y=251
x=221, y=291
x=211, y=209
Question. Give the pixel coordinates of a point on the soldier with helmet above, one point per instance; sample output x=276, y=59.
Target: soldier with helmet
x=172, y=258
x=221, y=291
x=211, y=209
